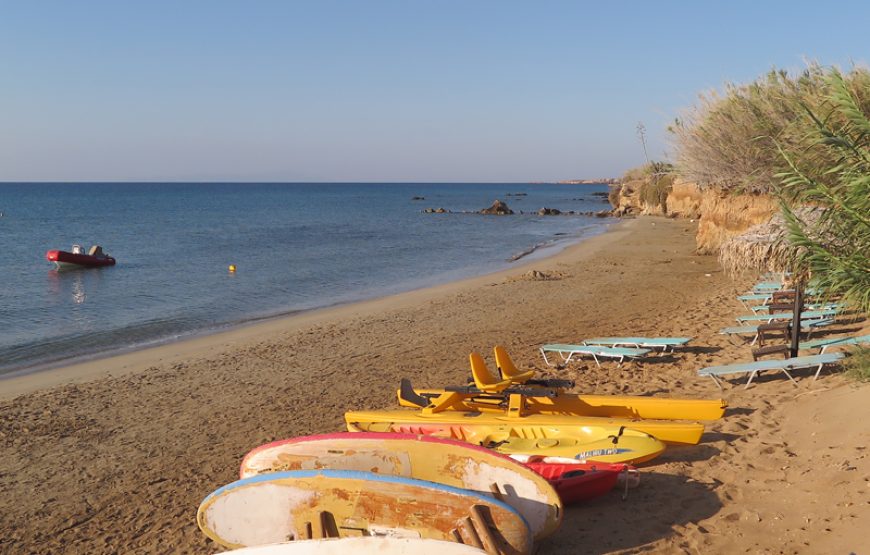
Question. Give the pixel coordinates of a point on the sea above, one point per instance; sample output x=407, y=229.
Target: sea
x=295, y=247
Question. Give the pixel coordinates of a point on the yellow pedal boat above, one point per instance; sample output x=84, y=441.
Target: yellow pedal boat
x=492, y=395
x=608, y=406
x=606, y=444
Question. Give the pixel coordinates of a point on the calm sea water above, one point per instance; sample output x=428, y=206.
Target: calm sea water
x=296, y=247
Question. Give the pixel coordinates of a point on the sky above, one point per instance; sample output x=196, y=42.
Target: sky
x=432, y=91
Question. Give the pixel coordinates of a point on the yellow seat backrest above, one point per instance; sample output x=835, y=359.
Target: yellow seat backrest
x=508, y=369
x=483, y=378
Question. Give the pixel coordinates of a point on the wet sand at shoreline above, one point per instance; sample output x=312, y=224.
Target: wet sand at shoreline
x=118, y=461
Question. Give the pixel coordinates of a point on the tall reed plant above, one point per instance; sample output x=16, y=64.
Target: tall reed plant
x=828, y=170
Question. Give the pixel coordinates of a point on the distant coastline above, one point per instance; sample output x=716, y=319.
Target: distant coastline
x=605, y=181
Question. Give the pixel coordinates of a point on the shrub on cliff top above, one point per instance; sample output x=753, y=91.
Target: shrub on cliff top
x=657, y=179
x=647, y=170
x=655, y=191
x=729, y=140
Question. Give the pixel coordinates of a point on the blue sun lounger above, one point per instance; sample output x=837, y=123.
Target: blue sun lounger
x=807, y=306
x=763, y=297
x=806, y=326
x=767, y=286
x=663, y=343
x=823, y=344
x=567, y=352
x=809, y=315
x=753, y=368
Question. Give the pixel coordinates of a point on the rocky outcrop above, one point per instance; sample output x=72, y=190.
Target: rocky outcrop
x=498, y=208
x=436, y=211
x=684, y=200
x=549, y=212
x=721, y=215
x=633, y=197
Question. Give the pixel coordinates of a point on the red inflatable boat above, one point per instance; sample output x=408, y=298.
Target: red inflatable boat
x=580, y=481
x=94, y=258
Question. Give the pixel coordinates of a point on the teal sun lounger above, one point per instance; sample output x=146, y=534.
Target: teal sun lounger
x=809, y=315
x=823, y=344
x=753, y=368
x=568, y=352
x=664, y=343
x=806, y=326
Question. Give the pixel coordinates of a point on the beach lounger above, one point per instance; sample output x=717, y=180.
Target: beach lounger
x=663, y=343
x=807, y=306
x=765, y=286
x=823, y=344
x=806, y=326
x=746, y=299
x=808, y=315
x=753, y=368
x=567, y=352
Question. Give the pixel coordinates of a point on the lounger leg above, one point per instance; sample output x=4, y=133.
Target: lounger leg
x=566, y=360
x=718, y=383
x=751, y=375
x=547, y=362
x=754, y=339
x=818, y=370
x=789, y=377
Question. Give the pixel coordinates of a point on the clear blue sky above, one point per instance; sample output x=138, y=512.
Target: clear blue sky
x=378, y=91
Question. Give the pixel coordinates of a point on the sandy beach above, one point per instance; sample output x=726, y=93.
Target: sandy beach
x=115, y=455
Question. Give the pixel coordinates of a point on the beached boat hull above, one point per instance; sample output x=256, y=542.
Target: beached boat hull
x=420, y=457
x=532, y=425
x=68, y=259
x=607, y=406
x=580, y=481
x=282, y=506
x=362, y=545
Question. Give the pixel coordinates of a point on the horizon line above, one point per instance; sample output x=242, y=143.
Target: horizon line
x=273, y=182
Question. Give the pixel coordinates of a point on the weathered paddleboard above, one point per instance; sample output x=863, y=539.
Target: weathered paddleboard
x=304, y=504
x=536, y=425
x=363, y=546
x=421, y=457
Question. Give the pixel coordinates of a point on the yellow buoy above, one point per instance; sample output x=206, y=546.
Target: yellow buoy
x=232, y=267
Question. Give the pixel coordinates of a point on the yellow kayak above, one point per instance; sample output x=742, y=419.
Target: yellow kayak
x=687, y=433
x=605, y=444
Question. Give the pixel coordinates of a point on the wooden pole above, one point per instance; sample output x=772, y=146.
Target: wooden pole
x=796, y=318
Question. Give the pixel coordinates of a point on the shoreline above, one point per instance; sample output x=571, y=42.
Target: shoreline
x=135, y=359
x=119, y=463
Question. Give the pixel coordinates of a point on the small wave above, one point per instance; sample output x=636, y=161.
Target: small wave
x=530, y=250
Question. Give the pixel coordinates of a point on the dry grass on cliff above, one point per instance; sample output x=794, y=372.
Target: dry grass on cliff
x=764, y=247
x=731, y=140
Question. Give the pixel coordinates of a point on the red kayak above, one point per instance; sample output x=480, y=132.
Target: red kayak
x=95, y=257
x=580, y=481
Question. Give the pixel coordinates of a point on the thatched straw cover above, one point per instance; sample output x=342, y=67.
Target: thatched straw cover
x=764, y=247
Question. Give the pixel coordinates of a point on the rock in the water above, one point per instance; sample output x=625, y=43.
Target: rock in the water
x=435, y=211
x=603, y=214
x=418, y=198
x=549, y=212
x=498, y=208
